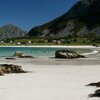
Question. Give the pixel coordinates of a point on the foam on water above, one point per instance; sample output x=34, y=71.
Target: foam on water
x=90, y=53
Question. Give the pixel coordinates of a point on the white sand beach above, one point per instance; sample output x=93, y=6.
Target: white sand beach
x=50, y=79
x=49, y=82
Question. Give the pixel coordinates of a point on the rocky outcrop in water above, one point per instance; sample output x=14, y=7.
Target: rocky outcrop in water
x=10, y=68
x=68, y=54
x=20, y=54
x=10, y=58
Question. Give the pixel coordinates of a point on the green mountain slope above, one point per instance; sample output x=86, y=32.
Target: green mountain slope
x=11, y=31
x=82, y=19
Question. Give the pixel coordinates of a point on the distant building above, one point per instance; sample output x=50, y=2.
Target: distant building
x=11, y=41
x=58, y=42
x=18, y=43
x=29, y=42
x=46, y=41
x=2, y=41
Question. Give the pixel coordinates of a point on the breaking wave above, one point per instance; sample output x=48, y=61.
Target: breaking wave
x=90, y=53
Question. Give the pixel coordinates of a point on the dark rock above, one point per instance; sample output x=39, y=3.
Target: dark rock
x=96, y=94
x=1, y=73
x=95, y=45
x=10, y=58
x=26, y=56
x=94, y=84
x=68, y=54
x=10, y=68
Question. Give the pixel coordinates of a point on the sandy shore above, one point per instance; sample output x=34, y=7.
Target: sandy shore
x=49, y=82
x=57, y=46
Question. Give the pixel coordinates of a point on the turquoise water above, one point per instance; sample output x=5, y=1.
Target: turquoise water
x=45, y=55
x=37, y=51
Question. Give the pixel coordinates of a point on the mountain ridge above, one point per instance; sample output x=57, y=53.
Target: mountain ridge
x=11, y=31
x=82, y=19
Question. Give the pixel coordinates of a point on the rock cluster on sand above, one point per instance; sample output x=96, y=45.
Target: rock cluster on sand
x=68, y=54
x=10, y=68
x=20, y=54
x=94, y=84
x=97, y=92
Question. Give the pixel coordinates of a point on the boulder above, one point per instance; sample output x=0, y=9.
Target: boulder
x=68, y=54
x=26, y=56
x=94, y=84
x=10, y=68
x=96, y=94
x=20, y=54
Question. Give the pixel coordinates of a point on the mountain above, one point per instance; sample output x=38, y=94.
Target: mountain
x=11, y=31
x=83, y=20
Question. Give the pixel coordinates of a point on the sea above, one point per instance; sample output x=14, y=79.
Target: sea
x=41, y=51
x=46, y=55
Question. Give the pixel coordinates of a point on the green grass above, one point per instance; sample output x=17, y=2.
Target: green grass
x=48, y=44
x=42, y=41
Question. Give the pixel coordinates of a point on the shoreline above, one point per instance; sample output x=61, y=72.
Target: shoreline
x=50, y=79
x=58, y=46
